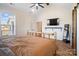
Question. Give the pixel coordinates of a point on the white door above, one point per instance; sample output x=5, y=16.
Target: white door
x=78, y=30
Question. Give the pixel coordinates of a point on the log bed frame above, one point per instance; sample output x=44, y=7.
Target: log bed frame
x=31, y=44
x=41, y=34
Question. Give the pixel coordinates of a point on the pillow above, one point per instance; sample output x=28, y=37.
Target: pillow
x=6, y=52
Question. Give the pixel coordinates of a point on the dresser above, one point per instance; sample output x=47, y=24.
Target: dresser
x=57, y=29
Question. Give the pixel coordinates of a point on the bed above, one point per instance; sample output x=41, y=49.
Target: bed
x=35, y=44
x=32, y=46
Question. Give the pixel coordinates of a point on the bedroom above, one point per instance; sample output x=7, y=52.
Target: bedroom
x=21, y=21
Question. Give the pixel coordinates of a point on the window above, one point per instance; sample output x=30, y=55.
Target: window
x=7, y=23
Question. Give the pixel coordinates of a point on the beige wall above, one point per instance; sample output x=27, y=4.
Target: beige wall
x=63, y=11
x=23, y=20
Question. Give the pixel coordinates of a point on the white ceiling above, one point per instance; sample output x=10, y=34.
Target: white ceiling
x=25, y=7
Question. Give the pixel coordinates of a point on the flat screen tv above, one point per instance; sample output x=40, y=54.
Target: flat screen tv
x=53, y=21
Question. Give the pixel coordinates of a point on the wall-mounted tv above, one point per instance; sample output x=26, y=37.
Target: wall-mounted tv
x=53, y=21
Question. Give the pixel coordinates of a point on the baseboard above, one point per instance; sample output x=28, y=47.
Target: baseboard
x=78, y=53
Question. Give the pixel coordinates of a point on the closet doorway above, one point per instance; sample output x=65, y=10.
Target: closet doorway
x=74, y=28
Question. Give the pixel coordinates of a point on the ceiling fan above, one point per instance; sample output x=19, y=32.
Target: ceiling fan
x=39, y=5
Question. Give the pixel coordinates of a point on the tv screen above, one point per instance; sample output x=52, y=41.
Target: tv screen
x=53, y=21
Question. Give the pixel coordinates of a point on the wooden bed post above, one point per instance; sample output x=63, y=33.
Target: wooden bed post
x=55, y=35
x=49, y=35
x=43, y=35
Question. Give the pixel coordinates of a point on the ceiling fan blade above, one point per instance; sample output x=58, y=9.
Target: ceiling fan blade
x=12, y=4
x=32, y=5
x=41, y=6
x=40, y=3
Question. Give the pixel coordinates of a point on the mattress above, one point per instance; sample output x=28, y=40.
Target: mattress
x=33, y=46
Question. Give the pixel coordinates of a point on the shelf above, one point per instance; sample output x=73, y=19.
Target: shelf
x=53, y=27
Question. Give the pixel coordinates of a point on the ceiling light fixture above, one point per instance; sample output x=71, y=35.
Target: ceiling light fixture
x=36, y=5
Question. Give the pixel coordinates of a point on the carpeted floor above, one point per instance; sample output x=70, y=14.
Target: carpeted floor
x=63, y=49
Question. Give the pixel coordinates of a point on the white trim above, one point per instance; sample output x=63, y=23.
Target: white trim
x=0, y=27
x=77, y=52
